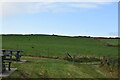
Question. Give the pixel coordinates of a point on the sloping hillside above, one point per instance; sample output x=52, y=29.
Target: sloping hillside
x=47, y=45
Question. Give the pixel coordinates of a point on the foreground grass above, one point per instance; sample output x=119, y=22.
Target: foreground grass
x=52, y=68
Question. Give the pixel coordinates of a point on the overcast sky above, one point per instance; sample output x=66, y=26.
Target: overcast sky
x=64, y=18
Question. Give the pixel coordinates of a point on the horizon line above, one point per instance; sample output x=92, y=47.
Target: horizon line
x=53, y=34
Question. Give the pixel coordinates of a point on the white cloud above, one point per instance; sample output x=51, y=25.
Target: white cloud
x=9, y=9
x=15, y=8
x=40, y=7
x=0, y=9
x=83, y=5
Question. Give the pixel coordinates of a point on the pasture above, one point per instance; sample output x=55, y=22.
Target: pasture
x=57, y=46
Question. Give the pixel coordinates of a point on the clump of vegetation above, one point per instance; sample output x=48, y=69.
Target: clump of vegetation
x=109, y=62
x=81, y=59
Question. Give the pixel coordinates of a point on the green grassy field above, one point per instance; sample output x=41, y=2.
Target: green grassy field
x=46, y=45
x=57, y=46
